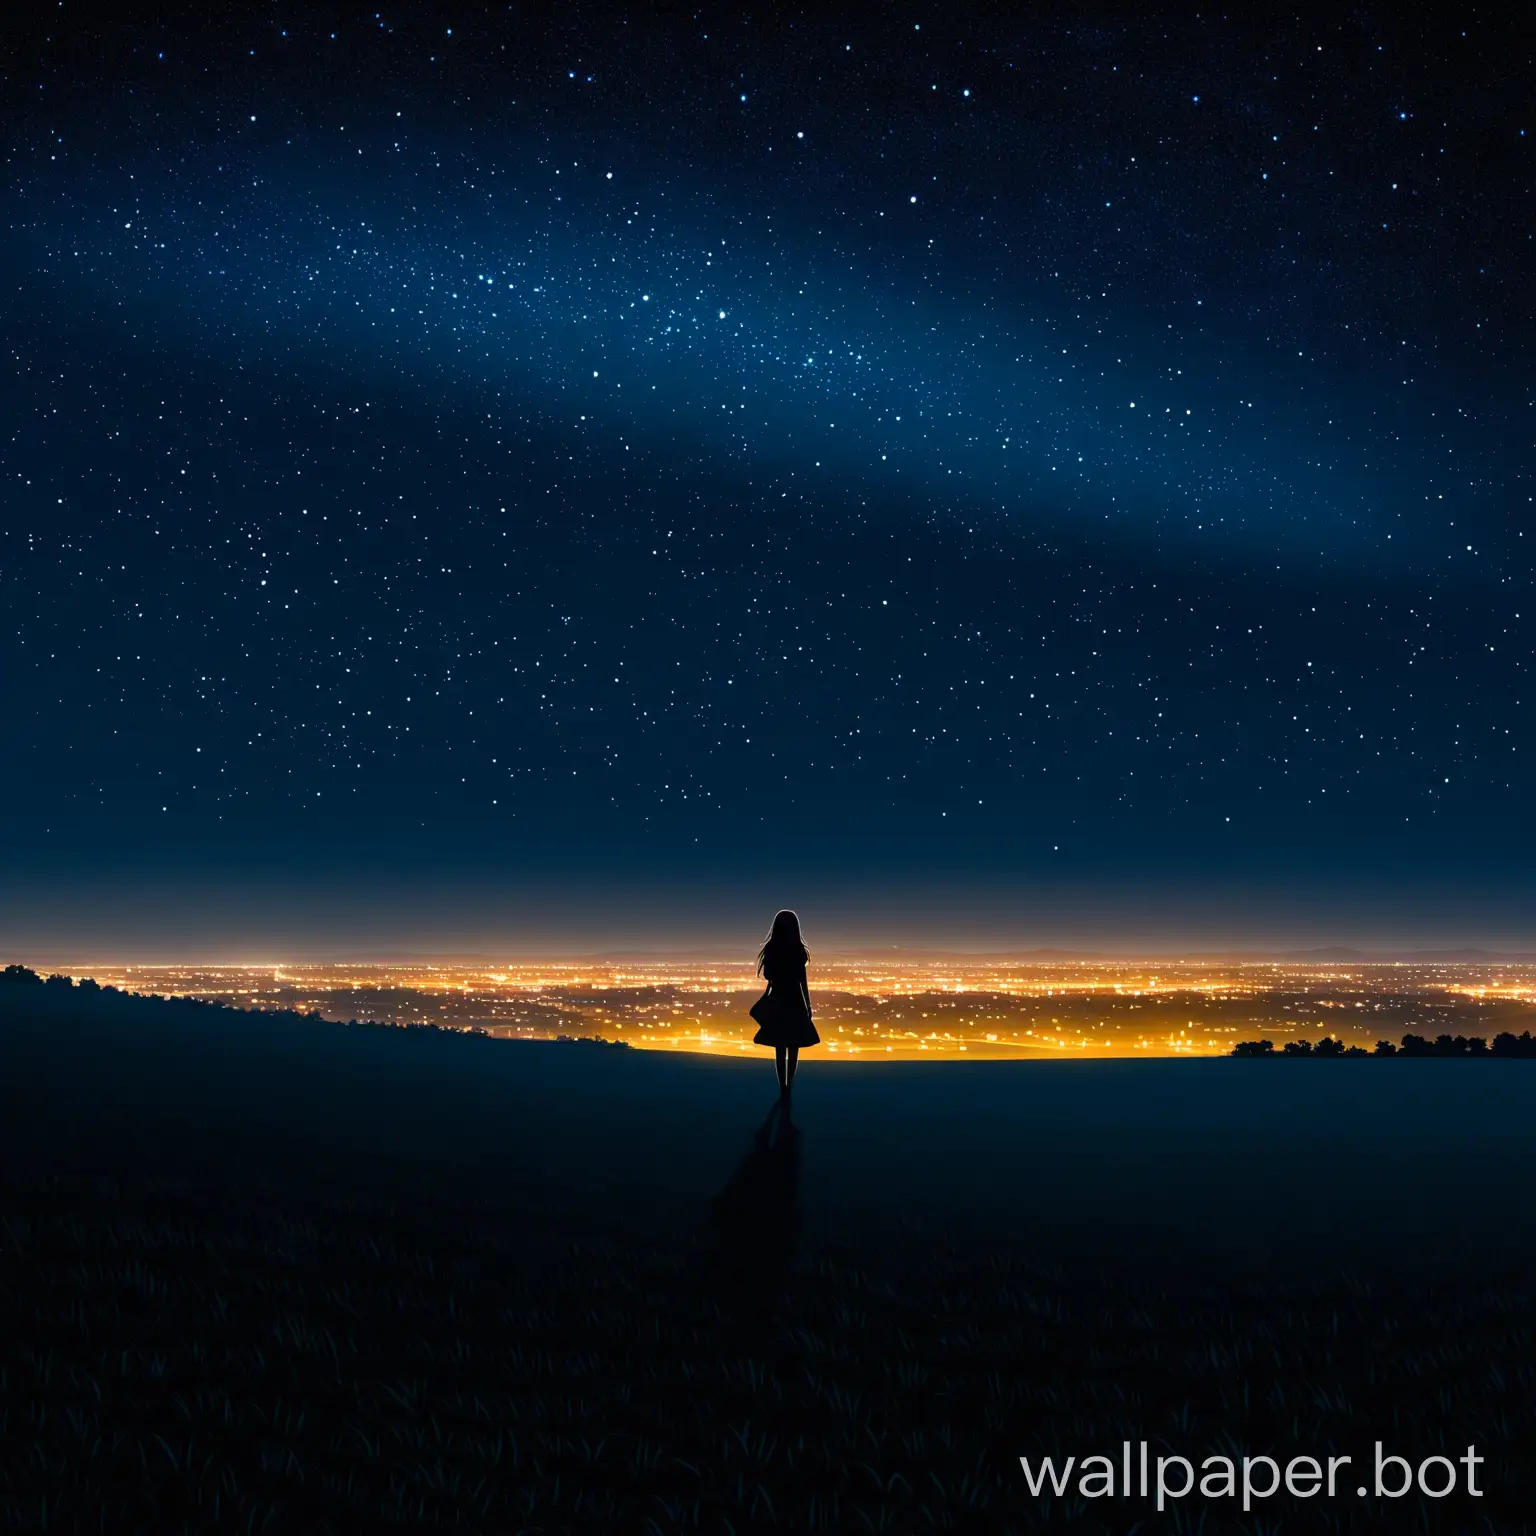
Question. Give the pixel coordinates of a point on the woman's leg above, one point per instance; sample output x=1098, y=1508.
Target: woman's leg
x=794, y=1061
x=778, y=1065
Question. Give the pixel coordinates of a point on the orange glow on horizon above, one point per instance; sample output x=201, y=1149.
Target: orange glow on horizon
x=885, y=1009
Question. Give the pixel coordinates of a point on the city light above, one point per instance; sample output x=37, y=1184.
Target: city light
x=888, y=1009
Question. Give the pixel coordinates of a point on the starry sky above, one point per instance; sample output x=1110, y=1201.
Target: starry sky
x=482, y=473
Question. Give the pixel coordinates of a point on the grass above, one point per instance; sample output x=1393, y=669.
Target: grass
x=179, y=1362
x=198, y=1333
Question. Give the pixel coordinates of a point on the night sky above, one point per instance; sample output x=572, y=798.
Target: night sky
x=485, y=475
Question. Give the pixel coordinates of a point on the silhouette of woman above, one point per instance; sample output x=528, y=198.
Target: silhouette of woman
x=783, y=1012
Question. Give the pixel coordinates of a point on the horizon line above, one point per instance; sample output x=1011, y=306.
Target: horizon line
x=1043, y=954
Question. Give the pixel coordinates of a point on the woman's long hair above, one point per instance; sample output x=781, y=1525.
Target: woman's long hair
x=782, y=945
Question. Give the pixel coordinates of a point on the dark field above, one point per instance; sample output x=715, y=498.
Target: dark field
x=261, y=1273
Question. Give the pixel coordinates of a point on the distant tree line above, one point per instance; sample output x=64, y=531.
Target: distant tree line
x=1504, y=1045
x=22, y=976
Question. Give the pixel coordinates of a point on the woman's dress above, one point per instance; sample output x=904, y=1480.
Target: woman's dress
x=782, y=1013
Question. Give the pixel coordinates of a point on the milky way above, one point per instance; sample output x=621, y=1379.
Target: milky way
x=769, y=348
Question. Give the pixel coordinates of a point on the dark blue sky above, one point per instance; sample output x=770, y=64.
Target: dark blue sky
x=510, y=460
